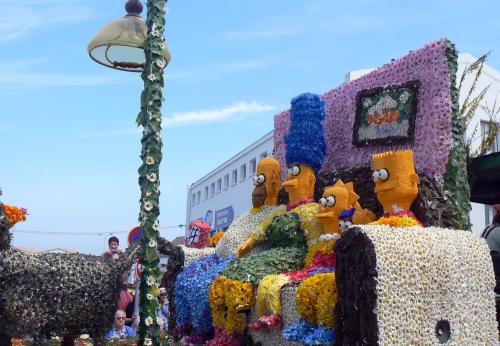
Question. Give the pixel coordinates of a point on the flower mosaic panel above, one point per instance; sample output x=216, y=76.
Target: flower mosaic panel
x=432, y=138
x=386, y=115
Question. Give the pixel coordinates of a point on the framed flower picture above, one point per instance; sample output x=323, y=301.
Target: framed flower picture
x=386, y=115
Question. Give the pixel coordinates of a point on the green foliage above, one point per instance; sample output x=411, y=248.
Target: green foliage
x=254, y=267
x=455, y=179
x=471, y=104
x=285, y=231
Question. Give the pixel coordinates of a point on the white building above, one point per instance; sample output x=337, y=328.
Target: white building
x=226, y=191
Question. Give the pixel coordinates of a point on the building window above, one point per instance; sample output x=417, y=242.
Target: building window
x=226, y=181
x=234, y=178
x=219, y=185
x=205, y=195
x=495, y=146
x=253, y=166
x=212, y=189
x=193, y=200
x=243, y=171
x=262, y=155
x=198, y=197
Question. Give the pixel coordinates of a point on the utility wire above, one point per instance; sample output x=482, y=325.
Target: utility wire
x=82, y=233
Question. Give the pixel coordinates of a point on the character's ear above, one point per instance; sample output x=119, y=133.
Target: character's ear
x=312, y=179
x=414, y=178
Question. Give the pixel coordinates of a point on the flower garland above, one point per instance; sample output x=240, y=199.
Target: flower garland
x=403, y=218
x=228, y=298
x=316, y=298
x=14, y=214
x=150, y=119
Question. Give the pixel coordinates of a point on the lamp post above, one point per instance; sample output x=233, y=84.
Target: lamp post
x=130, y=44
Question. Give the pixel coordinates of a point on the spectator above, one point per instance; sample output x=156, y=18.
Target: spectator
x=492, y=232
x=120, y=330
x=162, y=311
x=113, y=252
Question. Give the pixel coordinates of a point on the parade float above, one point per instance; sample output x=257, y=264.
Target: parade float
x=370, y=241
x=357, y=235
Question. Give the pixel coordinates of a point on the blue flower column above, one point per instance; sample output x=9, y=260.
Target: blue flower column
x=150, y=119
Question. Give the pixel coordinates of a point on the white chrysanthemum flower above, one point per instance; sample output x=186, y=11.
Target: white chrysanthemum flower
x=152, y=243
x=148, y=342
x=151, y=177
x=160, y=63
x=152, y=77
x=149, y=321
x=151, y=281
x=149, y=296
x=148, y=206
x=149, y=160
x=156, y=226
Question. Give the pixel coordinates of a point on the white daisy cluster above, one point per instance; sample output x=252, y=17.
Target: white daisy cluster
x=239, y=230
x=427, y=275
x=191, y=253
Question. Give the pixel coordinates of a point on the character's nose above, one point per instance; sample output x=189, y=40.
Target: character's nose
x=290, y=184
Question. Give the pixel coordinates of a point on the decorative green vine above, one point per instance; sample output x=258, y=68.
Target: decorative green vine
x=455, y=179
x=149, y=180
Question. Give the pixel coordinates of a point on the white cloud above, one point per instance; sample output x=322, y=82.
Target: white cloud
x=20, y=17
x=236, y=110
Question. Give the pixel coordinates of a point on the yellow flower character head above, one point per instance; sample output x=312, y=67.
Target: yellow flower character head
x=300, y=183
x=396, y=181
x=267, y=183
x=335, y=199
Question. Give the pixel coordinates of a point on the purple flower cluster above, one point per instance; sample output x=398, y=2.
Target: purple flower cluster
x=432, y=142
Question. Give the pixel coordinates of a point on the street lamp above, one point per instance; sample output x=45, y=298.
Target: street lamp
x=130, y=44
x=120, y=43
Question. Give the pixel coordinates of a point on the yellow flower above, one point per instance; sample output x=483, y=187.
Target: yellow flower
x=397, y=221
x=316, y=298
x=228, y=298
x=325, y=247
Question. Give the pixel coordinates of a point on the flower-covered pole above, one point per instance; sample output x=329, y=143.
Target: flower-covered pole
x=150, y=119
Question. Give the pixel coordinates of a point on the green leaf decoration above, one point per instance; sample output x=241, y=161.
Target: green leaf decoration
x=285, y=231
x=254, y=267
x=456, y=182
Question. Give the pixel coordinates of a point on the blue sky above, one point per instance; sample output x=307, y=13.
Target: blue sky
x=69, y=147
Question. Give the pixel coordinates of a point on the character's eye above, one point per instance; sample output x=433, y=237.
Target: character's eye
x=289, y=171
x=255, y=180
x=330, y=201
x=348, y=224
x=383, y=174
x=322, y=202
x=341, y=224
x=295, y=170
x=375, y=175
x=261, y=178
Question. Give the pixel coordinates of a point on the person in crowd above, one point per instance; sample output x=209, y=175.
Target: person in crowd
x=113, y=252
x=492, y=232
x=119, y=329
x=162, y=311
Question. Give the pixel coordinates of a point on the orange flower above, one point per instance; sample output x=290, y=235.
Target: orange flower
x=14, y=214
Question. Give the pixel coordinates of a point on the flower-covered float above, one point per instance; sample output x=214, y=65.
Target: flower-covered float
x=193, y=314
x=48, y=294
